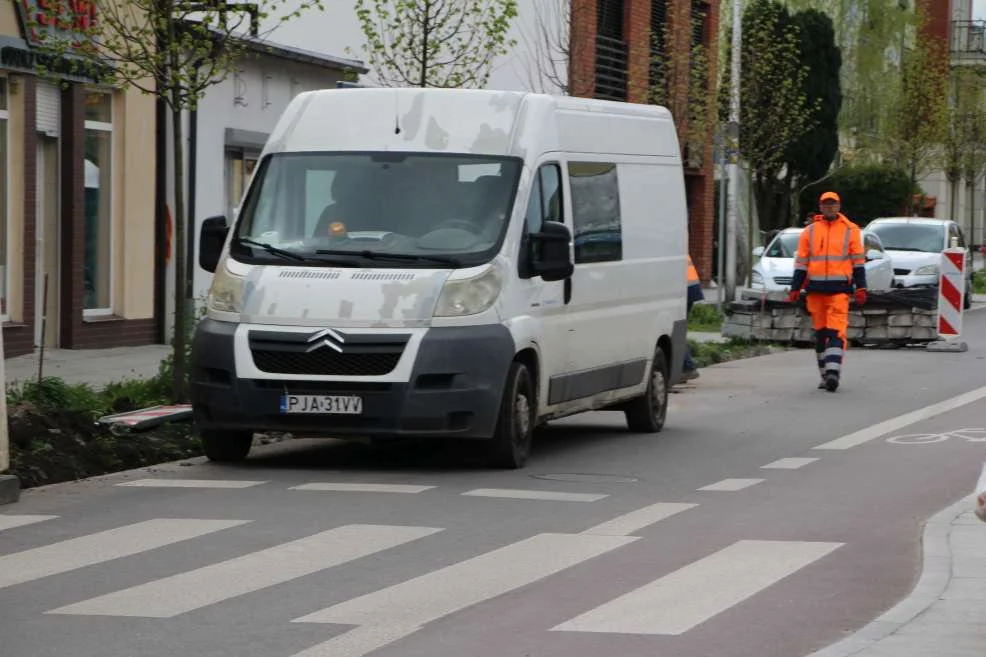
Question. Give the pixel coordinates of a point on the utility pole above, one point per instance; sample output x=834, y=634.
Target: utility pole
x=732, y=133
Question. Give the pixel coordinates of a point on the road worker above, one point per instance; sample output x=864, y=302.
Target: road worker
x=694, y=294
x=829, y=267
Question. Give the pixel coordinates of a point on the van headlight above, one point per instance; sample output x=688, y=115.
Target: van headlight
x=927, y=270
x=469, y=296
x=226, y=292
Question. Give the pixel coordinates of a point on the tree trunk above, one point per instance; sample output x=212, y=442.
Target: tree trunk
x=970, y=185
x=953, y=197
x=914, y=183
x=425, y=33
x=178, y=383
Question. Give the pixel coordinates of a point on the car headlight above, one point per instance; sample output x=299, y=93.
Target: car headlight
x=226, y=292
x=927, y=270
x=469, y=296
x=757, y=278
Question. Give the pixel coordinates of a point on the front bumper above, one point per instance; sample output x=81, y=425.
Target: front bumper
x=454, y=390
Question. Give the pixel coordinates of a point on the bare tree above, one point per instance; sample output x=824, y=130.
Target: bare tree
x=435, y=43
x=549, y=40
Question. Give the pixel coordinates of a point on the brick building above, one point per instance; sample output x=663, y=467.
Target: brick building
x=616, y=47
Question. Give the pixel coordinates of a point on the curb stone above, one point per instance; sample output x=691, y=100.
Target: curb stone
x=10, y=489
x=936, y=572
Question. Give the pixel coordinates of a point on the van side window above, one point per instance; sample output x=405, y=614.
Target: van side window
x=596, y=212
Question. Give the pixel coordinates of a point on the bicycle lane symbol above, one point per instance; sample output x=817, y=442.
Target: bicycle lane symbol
x=968, y=435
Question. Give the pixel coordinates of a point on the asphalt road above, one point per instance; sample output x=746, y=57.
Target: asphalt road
x=730, y=534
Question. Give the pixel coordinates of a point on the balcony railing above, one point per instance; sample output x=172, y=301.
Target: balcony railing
x=611, y=69
x=969, y=41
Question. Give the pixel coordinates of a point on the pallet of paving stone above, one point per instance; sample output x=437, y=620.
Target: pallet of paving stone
x=923, y=298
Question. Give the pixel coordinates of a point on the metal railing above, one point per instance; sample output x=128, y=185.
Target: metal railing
x=611, y=69
x=969, y=38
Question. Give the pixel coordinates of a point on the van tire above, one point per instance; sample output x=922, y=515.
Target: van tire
x=647, y=413
x=226, y=446
x=512, y=438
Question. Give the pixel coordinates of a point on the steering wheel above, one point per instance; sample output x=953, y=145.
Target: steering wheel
x=465, y=224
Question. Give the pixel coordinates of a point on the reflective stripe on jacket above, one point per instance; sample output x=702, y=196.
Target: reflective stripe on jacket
x=830, y=257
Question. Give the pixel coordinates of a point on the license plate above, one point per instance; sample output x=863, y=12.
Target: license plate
x=322, y=404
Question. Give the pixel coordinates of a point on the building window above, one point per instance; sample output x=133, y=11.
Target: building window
x=4, y=180
x=611, y=51
x=98, y=263
x=596, y=212
x=239, y=167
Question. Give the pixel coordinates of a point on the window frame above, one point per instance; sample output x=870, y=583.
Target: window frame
x=575, y=223
x=527, y=257
x=5, y=117
x=106, y=127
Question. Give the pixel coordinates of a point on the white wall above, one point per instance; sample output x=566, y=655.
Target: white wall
x=250, y=100
x=936, y=185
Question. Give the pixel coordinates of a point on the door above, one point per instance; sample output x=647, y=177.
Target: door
x=546, y=301
x=879, y=270
x=47, y=240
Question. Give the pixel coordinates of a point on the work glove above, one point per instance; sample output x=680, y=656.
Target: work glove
x=794, y=296
x=860, y=297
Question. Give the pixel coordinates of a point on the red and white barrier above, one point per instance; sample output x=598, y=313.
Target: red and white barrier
x=951, y=293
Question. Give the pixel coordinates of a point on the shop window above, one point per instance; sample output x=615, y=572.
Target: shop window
x=98, y=263
x=4, y=174
x=239, y=167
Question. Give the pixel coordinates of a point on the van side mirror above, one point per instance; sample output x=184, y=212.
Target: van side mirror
x=212, y=236
x=757, y=252
x=552, y=246
x=873, y=254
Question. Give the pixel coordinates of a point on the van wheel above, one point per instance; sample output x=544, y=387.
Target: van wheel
x=646, y=414
x=226, y=446
x=511, y=443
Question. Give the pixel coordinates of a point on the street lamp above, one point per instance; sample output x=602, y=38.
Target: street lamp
x=732, y=134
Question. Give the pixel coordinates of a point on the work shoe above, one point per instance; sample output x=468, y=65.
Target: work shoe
x=831, y=383
x=821, y=385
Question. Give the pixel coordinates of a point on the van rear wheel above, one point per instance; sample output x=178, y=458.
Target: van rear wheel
x=226, y=446
x=647, y=413
x=511, y=443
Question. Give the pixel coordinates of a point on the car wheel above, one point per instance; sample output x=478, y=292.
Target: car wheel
x=514, y=433
x=647, y=413
x=226, y=446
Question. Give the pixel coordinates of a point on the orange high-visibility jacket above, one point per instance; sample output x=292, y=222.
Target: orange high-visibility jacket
x=830, y=257
x=693, y=278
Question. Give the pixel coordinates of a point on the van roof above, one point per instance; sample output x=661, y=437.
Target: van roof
x=481, y=122
x=911, y=220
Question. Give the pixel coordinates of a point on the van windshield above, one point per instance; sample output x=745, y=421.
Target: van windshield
x=396, y=209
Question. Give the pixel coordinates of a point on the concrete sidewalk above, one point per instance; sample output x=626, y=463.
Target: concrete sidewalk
x=96, y=367
x=945, y=615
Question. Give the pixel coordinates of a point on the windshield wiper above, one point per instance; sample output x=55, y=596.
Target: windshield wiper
x=380, y=255
x=273, y=250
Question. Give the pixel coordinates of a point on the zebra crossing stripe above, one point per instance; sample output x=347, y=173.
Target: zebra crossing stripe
x=636, y=520
x=92, y=549
x=362, y=487
x=191, y=483
x=187, y=591
x=389, y=614
x=11, y=521
x=688, y=597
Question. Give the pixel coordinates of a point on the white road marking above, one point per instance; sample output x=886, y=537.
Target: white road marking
x=893, y=424
x=534, y=495
x=191, y=483
x=788, y=464
x=178, y=594
x=690, y=596
x=628, y=523
x=128, y=540
x=362, y=488
x=389, y=614
x=11, y=521
x=731, y=485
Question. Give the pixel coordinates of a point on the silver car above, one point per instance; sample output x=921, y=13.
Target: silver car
x=915, y=245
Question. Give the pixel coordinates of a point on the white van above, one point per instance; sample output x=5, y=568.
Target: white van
x=448, y=263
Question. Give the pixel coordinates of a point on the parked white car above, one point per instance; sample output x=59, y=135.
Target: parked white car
x=915, y=245
x=775, y=269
